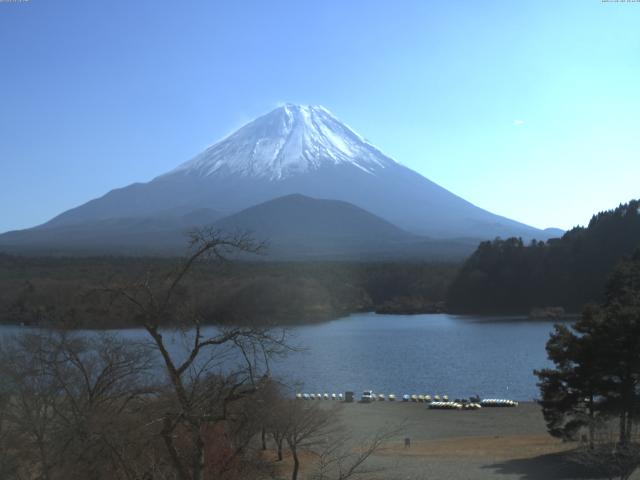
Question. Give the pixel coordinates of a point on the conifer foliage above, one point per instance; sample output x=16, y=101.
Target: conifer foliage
x=509, y=276
x=596, y=379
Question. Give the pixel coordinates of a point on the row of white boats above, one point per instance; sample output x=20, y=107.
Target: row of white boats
x=498, y=402
x=471, y=405
x=455, y=406
x=435, y=402
x=319, y=396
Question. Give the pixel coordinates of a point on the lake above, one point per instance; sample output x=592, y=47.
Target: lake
x=429, y=354
x=422, y=354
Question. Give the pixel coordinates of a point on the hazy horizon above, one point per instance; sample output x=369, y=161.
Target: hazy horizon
x=528, y=111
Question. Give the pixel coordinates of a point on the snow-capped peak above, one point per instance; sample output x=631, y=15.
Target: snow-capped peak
x=289, y=140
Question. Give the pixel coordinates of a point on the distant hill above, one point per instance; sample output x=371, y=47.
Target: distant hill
x=508, y=276
x=300, y=227
x=293, y=227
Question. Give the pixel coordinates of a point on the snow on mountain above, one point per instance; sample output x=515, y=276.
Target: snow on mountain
x=290, y=140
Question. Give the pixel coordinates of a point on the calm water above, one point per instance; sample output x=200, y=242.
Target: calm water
x=429, y=354
x=459, y=356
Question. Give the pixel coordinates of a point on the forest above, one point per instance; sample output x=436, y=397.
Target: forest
x=507, y=276
x=73, y=290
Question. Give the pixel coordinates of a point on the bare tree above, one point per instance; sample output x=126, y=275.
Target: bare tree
x=94, y=406
x=277, y=426
x=306, y=427
x=70, y=412
x=29, y=415
x=271, y=406
x=317, y=431
x=343, y=457
x=200, y=388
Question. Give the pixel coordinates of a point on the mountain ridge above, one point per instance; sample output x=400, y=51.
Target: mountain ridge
x=293, y=227
x=297, y=150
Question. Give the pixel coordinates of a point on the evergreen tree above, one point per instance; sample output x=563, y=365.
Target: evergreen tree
x=597, y=362
x=570, y=390
x=619, y=334
x=506, y=276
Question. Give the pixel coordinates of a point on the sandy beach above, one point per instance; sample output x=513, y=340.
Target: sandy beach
x=502, y=443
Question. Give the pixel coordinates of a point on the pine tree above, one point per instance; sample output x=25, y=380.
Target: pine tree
x=597, y=362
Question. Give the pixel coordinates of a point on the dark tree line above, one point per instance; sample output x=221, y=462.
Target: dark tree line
x=48, y=291
x=508, y=276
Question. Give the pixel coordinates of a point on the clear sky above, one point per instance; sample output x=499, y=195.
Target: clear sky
x=530, y=109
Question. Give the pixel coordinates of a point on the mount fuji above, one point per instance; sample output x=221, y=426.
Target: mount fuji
x=294, y=149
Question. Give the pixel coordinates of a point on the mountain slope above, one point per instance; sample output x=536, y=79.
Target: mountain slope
x=296, y=150
x=293, y=227
x=165, y=233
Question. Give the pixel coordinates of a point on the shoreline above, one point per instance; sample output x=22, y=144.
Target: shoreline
x=510, y=317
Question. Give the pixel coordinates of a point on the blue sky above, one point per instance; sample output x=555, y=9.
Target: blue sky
x=529, y=109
